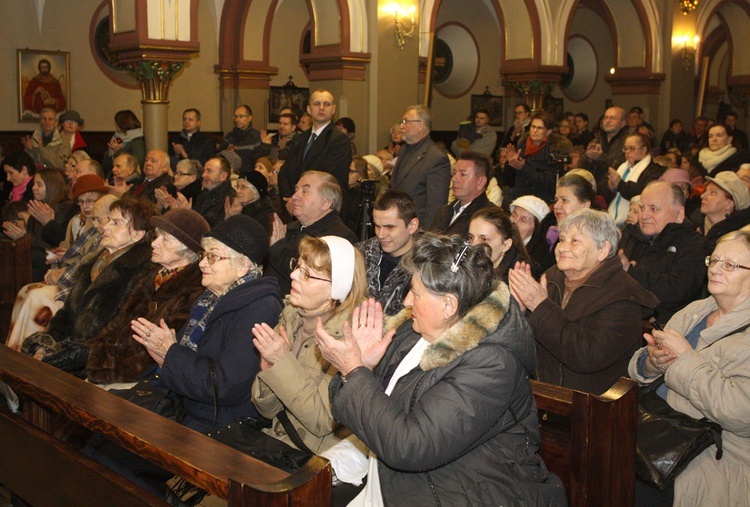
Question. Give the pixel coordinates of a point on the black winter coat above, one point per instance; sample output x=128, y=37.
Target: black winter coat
x=446, y=435
x=210, y=203
x=671, y=264
x=228, y=341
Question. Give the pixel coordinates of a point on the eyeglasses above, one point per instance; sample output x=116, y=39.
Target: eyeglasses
x=178, y=173
x=405, y=121
x=211, y=257
x=86, y=202
x=626, y=149
x=536, y=127
x=725, y=265
x=304, y=272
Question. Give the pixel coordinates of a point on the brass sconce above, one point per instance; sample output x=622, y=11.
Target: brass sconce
x=689, y=47
x=401, y=16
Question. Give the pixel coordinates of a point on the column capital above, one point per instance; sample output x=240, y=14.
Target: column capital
x=533, y=92
x=154, y=78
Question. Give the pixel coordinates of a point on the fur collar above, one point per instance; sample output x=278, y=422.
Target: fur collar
x=464, y=335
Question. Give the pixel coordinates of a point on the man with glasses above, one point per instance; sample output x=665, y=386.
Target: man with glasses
x=243, y=139
x=321, y=148
x=630, y=178
x=422, y=170
x=316, y=202
x=606, y=150
x=664, y=252
x=517, y=135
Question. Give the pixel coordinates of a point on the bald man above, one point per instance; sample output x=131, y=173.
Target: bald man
x=155, y=175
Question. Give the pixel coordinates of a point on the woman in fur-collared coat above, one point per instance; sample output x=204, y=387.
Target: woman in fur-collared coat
x=448, y=413
x=167, y=292
x=100, y=286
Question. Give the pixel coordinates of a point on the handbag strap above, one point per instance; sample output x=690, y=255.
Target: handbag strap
x=292, y=432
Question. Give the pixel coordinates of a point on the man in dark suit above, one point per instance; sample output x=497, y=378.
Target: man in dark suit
x=321, y=148
x=316, y=206
x=469, y=184
x=423, y=170
x=155, y=175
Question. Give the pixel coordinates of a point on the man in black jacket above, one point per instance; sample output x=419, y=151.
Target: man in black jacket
x=243, y=139
x=663, y=252
x=191, y=143
x=469, y=184
x=322, y=148
x=216, y=188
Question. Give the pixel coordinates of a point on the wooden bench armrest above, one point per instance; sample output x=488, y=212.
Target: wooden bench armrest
x=196, y=457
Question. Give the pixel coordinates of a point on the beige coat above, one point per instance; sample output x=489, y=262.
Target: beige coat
x=299, y=383
x=713, y=383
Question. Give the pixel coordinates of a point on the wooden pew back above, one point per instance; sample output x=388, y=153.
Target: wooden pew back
x=589, y=441
x=198, y=458
x=15, y=272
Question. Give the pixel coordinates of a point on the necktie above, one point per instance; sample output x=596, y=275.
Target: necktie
x=456, y=212
x=619, y=195
x=308, y=145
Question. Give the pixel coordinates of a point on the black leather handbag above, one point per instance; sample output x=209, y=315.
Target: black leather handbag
x=668, y=440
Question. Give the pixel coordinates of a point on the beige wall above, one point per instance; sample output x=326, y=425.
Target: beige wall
x=93, y=94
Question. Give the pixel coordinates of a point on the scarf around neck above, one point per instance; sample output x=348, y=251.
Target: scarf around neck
x=710, y=159
x=532, y=149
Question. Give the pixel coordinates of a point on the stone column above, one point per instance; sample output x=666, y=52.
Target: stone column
x=154, y=78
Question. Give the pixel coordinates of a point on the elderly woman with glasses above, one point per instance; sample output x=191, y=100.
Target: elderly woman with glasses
x=99, y=288
x=704, y=354
x=167, y=293
x=585, y=311
x=328, y=282
x=442, y=400
x=211, y=362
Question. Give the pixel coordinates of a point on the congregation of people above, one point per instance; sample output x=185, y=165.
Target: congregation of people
x=386, y=311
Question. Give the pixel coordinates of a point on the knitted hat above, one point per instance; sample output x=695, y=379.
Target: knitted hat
x=676, y=175
x=267, y=163
x=732, y=184
x=186, y=225
x=71, y=114
x=243, y=235
x=89, y=183
x=533, y=205
x=235, y=161
x=375, y=162
x=259, y=181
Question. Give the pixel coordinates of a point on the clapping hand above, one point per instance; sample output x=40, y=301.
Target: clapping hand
x=232, y=206
x=271, y=345
x=514, y=157
x=528, y=292
x=156, y=339
x=41, y=211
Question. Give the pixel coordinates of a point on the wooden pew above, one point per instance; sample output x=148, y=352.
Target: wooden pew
x=15, y=272
x=45, y=471
x=589, y=441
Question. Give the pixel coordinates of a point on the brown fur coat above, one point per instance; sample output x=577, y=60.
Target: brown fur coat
x=115, y=356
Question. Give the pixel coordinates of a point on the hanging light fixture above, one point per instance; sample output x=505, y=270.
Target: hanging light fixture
x=688, y=5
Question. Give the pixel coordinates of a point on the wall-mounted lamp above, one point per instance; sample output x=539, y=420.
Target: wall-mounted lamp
x=399, y=13
x=689, y=46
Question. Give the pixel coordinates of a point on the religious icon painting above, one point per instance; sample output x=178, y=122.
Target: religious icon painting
x=43, y=82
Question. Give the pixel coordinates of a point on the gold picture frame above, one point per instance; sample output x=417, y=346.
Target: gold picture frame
x=43, y=81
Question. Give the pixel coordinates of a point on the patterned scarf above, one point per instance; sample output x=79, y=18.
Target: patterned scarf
x=201, y=311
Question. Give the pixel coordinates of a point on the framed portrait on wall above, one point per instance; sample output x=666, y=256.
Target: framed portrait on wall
x=43, y=81
x=288, y=95
x=493, y=103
